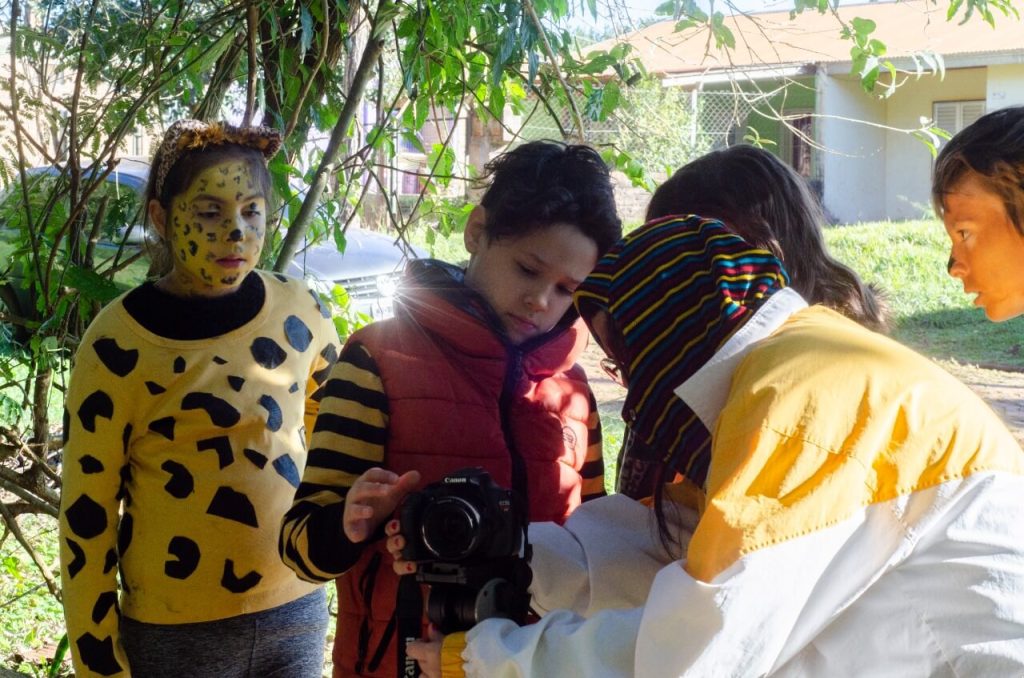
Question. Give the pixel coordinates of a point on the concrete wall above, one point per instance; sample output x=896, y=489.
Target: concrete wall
x=908, y=162
x=853, y=162
x=1005, y=86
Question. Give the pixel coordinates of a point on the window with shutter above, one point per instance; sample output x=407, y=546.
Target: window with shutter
x=953, y=116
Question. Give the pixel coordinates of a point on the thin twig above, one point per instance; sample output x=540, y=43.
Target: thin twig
x=12, y=524
x=577, y=118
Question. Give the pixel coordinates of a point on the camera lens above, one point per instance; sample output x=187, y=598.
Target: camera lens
x=451, y=528
x=452, y=608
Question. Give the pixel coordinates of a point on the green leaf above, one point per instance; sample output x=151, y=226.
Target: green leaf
x=610, y=100
x=92, y=285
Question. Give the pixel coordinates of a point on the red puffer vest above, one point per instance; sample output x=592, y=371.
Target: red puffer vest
x=459, y=395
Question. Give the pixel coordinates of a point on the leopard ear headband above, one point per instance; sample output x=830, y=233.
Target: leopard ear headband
x=188, y=135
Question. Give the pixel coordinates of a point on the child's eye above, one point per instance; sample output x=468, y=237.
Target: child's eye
x=207, y=211
x=526, y=270
x=565, y=291
x=963, y=234
x=251, y=211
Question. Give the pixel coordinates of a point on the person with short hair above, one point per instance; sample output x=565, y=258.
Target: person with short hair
x=477, y=368
x=978, y=192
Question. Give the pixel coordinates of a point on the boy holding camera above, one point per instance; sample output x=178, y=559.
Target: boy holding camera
x=477, y=368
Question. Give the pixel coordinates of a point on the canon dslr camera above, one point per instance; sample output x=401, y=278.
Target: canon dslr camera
x=468, y=536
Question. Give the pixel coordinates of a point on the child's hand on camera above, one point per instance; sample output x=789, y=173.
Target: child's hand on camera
x=372, y=498
x=395, y=544
x=427, y=653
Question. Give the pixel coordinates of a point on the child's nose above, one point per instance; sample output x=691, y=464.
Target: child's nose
x=537, y=300
x=235, y=235
x=955, y=268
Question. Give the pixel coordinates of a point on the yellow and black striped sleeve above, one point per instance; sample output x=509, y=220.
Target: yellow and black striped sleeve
x=348, y=438
x=592, y=472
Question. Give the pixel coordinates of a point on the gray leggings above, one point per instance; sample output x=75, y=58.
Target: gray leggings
x=284, y=642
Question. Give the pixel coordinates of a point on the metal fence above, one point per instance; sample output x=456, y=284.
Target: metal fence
x=707, y=120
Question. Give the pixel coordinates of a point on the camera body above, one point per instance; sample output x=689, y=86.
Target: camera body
x=467, y=535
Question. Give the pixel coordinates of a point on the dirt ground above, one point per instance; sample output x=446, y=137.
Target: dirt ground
x=1003, y=391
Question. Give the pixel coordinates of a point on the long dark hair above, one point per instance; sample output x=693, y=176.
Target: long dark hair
x=765, y=202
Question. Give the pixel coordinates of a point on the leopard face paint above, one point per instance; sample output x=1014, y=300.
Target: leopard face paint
x=215, y=230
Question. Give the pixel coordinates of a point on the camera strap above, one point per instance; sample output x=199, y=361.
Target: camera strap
x=409, y=618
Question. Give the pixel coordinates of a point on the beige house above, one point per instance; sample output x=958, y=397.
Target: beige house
x=793, y=77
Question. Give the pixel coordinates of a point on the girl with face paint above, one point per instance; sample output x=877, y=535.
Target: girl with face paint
x=186, y=434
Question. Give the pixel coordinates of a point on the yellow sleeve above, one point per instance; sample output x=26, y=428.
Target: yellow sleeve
x=451, y=655
x=592, y=472
x=96, y=433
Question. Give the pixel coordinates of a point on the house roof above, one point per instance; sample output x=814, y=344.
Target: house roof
x=772, y=39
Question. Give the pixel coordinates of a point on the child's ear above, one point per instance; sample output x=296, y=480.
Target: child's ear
x=158, y=217
x=476, y=232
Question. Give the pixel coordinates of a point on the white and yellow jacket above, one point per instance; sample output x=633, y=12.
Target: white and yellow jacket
x=863, y=516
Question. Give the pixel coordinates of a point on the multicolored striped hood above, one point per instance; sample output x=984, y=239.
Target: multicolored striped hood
x=676, y=289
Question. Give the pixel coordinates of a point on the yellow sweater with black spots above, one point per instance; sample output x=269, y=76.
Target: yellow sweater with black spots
x=181, y=457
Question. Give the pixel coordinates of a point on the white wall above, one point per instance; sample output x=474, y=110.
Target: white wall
x=908, y=162
x=1005, y=86
x=853, y=162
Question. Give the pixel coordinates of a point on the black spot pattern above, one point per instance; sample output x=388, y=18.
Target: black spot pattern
x=221, y=412
x=179, y=365
x=233, y=583
x=274, y=418
x=122, y=490
x=66, y=421
x=185, y=558
x=118, y=360
x=164, y=427
x=236, y=383
x=96, y=404
x=98, y=655
x=257, y=458
x=154, y=388
x=220, y=361
x=297, y=334
x=281, y=277
x=110, y=562
x=222, y=446
x=181, y=483
x=287, y=469
x=126, y=436
x=104, y=603
x=330, y=355
x=78, y=561
x=124, y=533
x=232, y=505
x=267, y=353
x=86, y=518
x=90, y=464
x=294, y=387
